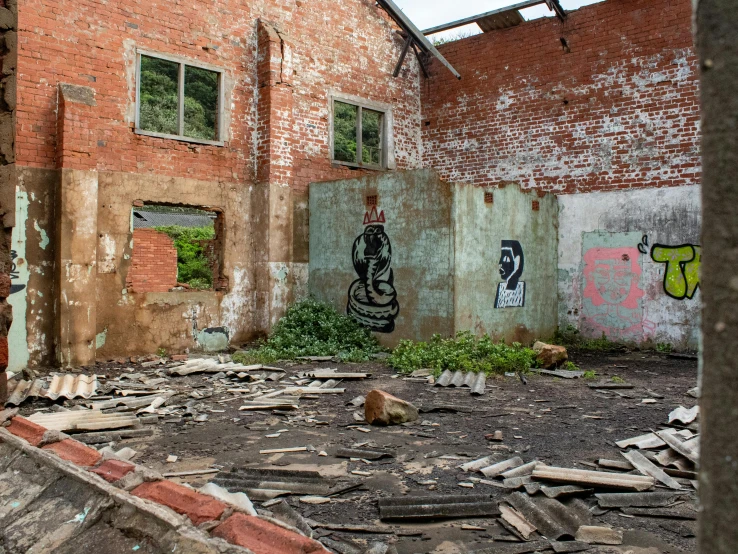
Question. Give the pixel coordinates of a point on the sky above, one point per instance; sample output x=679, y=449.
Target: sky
x=430, y=13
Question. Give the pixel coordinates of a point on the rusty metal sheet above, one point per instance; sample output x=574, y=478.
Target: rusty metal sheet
x=436, y=507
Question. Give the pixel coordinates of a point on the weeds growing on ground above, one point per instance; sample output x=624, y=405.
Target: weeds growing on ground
x=617, y=379
x=312, y=328
x=570, y=337
x=464, y=352
x=570, y=366
x=590, y=374
x=664, y=347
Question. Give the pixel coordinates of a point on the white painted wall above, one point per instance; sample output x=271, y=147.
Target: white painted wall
x=612, y=222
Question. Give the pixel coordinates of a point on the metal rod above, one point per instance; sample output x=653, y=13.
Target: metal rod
x=398, y=67
x=409, y=27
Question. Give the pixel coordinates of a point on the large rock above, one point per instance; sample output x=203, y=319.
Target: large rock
x=382, y=408
x=550, y=355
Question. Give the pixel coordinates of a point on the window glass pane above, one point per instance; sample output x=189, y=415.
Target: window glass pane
x=345, y=120
x=201, y=103
x=158, y=102
x=371, y=137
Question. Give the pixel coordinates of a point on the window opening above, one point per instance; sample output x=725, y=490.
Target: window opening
x=358, y=135
x=178, y=100
x=176, y=249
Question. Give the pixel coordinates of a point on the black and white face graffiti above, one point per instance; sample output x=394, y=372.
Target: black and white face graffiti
x=372, y=298
x=511, y=292
x=511, y=263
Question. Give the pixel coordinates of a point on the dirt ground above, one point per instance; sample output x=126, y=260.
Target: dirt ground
x=556, y=421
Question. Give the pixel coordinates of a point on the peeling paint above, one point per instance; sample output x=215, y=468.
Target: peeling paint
x=18, y=334
x=100, y=338
x=44, y=242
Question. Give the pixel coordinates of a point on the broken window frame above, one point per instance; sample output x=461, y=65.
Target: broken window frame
x=182, y=62
x=384, y=132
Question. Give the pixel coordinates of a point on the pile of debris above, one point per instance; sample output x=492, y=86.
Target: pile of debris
x=553, y=508
x=118, y=408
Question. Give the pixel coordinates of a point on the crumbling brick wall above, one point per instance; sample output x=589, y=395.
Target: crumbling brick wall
x=323, y=48
x=154, y=262
x=606, y=100
x=8, y=59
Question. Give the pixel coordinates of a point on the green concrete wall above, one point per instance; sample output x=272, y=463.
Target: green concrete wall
x=525, y=312
x=417, y=209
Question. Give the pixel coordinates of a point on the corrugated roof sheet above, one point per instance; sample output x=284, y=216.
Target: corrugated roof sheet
x=146, y=220
x=62, y=386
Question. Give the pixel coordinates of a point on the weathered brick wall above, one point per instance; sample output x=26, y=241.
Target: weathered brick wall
x=615, y=107
x=154, y=262
x=347, y=47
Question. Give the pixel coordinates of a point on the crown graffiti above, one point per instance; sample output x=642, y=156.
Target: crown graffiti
x=374, y=217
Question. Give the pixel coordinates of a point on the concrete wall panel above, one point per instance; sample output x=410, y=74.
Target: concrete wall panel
x=514, y=234
x=417, y=216
x=629, y=265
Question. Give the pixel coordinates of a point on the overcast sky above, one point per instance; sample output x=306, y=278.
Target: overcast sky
x=430, y=13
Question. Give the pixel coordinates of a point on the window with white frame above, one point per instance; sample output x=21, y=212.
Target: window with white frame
x=177, y=99
x=359, y=135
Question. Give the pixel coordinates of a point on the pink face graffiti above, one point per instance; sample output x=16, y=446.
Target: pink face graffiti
x=612, y=276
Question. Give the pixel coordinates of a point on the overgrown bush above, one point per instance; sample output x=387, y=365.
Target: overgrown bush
x=193, y=266
x=312, y=328
x=464, y=352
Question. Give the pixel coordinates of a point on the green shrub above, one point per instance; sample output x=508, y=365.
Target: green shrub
x=464, y=352
x=312, y=328
x=571, y=338
x=193, y=266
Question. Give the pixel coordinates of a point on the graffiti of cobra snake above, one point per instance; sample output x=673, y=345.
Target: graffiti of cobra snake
x=372, y=298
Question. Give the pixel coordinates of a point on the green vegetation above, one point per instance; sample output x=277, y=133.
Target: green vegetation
x=161, y=352
x=570, y=366
x=345, y=125
x=160, y=99
x=464, y=352
x=664, y=347
x=590, y=374
x=312, y=328
x=616, y=379
x=193, y=266
x=571, y=338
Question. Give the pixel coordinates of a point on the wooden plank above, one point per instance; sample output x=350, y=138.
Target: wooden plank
x=594, y=478
x=517, y=520
x=284, y=450
x=645, y=466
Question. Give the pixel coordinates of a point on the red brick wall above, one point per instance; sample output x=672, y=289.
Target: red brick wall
x=153, y=263
x=620, y=110
x=347, y=47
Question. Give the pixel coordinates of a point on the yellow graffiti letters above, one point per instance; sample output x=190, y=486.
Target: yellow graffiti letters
x=682, y=274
